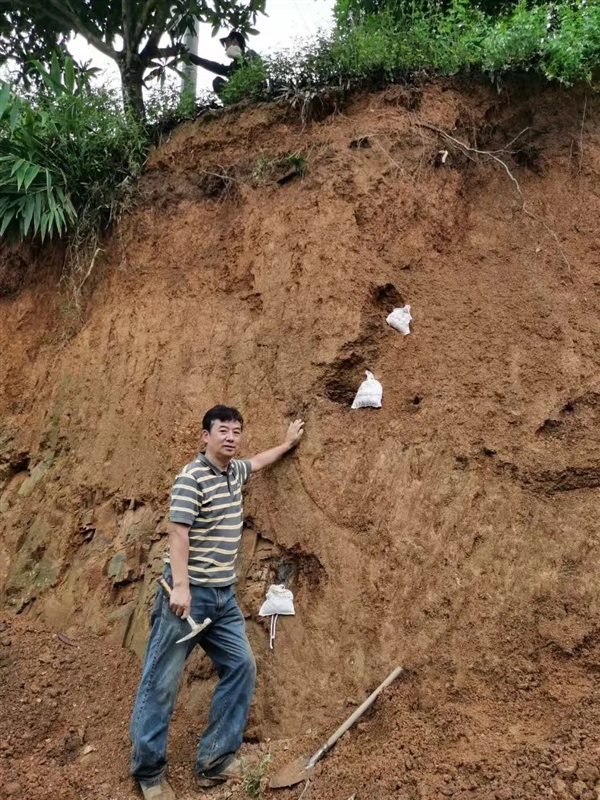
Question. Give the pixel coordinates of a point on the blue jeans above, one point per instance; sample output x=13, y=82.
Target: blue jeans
x=226, y=644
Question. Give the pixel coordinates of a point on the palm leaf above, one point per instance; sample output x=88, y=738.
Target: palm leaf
x=32, y=172
x=28, y=214
x=7, y=218
x=4, y=98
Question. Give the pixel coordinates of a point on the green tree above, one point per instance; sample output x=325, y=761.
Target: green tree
x=131, y=32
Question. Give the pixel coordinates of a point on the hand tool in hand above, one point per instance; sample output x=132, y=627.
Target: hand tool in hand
x=196, y=627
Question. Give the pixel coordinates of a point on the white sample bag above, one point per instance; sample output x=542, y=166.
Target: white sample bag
x=279, y=600
x=369, y=394
x=400, y=319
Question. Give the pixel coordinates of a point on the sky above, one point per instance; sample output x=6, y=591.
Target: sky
x=288, y=21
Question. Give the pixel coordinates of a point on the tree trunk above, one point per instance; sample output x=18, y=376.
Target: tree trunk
x=132, y=83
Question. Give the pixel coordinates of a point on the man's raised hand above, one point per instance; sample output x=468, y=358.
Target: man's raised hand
x=294, y=433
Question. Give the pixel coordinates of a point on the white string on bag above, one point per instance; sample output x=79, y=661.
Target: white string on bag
x=279, y=600
x=400, y=319
x=369, y=394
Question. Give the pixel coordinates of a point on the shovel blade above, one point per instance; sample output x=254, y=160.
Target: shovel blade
x=293, y=773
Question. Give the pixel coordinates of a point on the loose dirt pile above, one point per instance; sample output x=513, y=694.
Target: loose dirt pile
x=453, y=531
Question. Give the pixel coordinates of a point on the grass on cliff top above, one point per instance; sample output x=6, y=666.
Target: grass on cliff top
x=557, y=40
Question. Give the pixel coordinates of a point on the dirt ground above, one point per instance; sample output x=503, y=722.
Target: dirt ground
x=529, y=728
x=454, y=531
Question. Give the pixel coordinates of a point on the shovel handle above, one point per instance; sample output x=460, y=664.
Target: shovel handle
x=353, y=717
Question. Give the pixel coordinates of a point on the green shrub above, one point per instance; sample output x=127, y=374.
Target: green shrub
x=34, y=196
x=167, y=107
x=516, y=41
x=357, y=10
x=67, y=155
x=377, y=42
x=571, y=53
x=248, y=82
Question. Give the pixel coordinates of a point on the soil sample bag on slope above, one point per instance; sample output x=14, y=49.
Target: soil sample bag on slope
x=279, y=601
x=400, y=320
x=369, y=394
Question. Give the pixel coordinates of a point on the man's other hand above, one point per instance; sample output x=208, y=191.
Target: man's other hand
x=181, y=601
x=294, y=433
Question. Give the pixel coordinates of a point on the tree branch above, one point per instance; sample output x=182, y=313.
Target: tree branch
x=151, y=48
x=143, y=21
x=168, y=52
x=126, y=18
x=63, y=14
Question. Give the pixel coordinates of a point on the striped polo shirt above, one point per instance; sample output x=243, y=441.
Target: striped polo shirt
x=209, y=500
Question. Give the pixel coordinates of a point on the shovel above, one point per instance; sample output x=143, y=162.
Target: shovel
x=302, y=768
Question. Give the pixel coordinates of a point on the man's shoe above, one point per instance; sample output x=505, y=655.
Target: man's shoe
x=162, y=791
x=234, y=771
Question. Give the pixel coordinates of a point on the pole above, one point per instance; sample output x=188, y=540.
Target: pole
x=188, y=83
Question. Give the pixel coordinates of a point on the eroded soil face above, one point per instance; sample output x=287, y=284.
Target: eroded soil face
x=453, y=531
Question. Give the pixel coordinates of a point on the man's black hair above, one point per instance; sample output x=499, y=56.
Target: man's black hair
x=236, y=36
x=221, y=414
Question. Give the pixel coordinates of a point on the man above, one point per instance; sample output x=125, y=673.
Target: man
x=235, y=49
x=206, y=519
